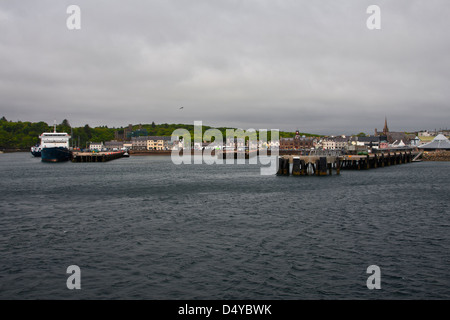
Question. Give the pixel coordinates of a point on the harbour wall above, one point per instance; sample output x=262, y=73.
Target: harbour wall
x=436, y=156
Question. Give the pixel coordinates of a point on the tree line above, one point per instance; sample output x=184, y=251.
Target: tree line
x=24, y=134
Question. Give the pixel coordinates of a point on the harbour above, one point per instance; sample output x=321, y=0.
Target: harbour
x=224, y=157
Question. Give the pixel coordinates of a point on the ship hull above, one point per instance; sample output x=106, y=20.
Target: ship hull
x=58, y=154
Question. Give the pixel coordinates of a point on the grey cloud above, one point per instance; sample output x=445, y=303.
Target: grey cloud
x=277, y=64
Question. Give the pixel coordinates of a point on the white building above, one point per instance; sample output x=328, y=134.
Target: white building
x=96, y=146
x=334, y=143
x=328, y=144
x=426, y=133
x=127, y=145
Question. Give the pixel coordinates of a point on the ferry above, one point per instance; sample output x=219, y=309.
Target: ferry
x=55, y=146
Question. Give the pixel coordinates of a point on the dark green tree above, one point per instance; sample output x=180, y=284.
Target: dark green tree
x=87, y=130
x=65, y=123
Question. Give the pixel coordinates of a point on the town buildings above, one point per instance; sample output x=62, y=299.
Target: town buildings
x=334, y=143
x=159, y=143
x=96, y=146
x=395, y=137
x=124, y=134
x=297, y=142
x=385, y=139
x=151, y=143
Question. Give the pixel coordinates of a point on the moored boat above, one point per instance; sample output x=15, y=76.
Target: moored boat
x=55, y=146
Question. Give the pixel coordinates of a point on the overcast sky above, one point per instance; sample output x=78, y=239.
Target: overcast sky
x=307, y=65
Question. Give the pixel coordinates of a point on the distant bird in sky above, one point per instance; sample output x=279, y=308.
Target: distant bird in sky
x=181, y=108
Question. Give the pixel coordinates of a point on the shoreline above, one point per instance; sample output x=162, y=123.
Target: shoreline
x=14, y=150
x=438, y=156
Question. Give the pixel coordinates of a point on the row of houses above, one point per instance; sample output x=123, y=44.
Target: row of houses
x=145, y=143
x=380, y=140
x=137, y=143
x=368, y=142
x=151, y=143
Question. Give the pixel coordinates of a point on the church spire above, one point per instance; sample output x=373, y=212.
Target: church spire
x=385, y=129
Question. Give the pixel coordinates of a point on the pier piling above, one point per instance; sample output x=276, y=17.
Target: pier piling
x=296, y=171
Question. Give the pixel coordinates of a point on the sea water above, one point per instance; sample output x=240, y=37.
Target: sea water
x=145, y=228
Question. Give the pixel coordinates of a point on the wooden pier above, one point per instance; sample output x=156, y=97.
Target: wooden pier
x=298, y=165
x=96, y=156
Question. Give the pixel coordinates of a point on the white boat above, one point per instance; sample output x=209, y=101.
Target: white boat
x=55, y=146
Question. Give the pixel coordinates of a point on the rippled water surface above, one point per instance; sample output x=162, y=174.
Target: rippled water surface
x=144, y=228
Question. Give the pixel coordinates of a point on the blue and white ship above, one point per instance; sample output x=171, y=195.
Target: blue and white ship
x=55, y=146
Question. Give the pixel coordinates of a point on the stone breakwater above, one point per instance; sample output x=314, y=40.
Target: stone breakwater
x=436, y=156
